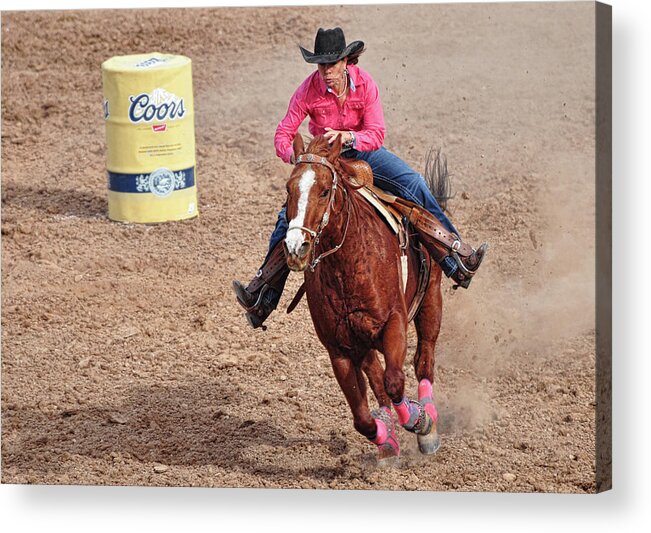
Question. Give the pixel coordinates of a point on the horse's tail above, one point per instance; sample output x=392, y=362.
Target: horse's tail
x=437, y=177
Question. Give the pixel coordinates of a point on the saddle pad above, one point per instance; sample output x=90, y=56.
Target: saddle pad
x=381, y=208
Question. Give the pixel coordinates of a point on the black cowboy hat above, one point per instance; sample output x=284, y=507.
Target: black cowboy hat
x=330, y=47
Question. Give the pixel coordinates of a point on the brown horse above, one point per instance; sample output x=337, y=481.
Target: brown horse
x=352, y=265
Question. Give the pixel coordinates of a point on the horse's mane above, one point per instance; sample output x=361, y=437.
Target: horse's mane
x=320, y=146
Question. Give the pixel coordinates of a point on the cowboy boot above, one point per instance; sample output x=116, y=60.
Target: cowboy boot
x=467, y=266
x=261, y=296
x=460, y=268
x=457, y=259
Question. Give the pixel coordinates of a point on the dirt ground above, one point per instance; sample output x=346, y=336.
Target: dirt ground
x=125, y=359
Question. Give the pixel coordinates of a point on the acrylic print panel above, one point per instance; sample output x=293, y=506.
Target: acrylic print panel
x=127, y=361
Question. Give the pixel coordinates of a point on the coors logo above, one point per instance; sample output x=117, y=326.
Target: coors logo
x=159, y=105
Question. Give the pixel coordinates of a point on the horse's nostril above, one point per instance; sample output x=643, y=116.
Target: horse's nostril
x=303, y=249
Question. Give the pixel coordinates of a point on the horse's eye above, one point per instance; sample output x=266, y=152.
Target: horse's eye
x=325, y=193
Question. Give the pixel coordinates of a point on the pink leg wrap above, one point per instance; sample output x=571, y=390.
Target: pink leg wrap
x=425, y=397
x=424, y=389
x=402, y=410
x=382, y=432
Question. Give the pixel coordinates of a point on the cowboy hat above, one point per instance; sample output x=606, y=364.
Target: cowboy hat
x=330, y=47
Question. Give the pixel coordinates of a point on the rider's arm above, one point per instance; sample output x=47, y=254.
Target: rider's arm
x=288, y=127
x=371, y=136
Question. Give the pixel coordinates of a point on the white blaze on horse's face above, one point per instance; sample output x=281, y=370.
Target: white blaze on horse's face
x=295, y=238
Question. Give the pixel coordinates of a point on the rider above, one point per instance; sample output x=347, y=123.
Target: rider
x=343, y=100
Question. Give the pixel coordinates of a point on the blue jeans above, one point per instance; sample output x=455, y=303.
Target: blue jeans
x=391, y=174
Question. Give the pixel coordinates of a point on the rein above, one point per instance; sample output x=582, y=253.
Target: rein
x=313, y=159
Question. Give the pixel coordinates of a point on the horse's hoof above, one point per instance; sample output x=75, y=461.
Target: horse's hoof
x=430, y=443
x=388, y=454
x=388, y=451
x=388, y=461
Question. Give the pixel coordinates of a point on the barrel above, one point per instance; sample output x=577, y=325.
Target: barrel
x=149, y=116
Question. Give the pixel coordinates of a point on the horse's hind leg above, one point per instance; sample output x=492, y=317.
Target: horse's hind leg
x=428, y=325
x=377, y=427
x=411, y=415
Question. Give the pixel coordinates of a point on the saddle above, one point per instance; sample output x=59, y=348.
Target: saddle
x=422, y=220
x=402, y=216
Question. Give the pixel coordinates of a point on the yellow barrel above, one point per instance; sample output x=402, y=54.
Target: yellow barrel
x=149, y=114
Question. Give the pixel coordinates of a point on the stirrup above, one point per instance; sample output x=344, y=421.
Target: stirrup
x=463, y=283
x=256, y=321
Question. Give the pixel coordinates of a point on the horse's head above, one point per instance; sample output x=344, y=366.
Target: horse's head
x=311, y=192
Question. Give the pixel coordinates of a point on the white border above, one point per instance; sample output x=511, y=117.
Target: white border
x=625, y=508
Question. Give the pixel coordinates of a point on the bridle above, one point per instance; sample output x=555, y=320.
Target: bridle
x=315, y=235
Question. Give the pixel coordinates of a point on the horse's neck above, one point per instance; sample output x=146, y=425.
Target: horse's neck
x=346, y=228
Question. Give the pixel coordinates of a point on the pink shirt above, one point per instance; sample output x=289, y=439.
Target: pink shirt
x=361, y=113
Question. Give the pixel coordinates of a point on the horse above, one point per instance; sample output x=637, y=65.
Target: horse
x=352, y=269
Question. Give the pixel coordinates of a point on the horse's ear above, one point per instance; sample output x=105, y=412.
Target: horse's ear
x=298, y=145
x=335, y=150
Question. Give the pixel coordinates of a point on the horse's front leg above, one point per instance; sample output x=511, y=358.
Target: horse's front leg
x=377, y=426
x=375, y=373
x=411, y=414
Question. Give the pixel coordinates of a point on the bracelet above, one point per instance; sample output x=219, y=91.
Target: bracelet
x=349, y=144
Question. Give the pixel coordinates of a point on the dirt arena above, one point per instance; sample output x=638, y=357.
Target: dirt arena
x=125, y=359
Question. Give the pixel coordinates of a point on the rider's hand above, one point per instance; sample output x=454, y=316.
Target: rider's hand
x=331, y=135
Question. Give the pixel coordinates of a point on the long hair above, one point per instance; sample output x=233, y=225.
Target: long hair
x=354, y=57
